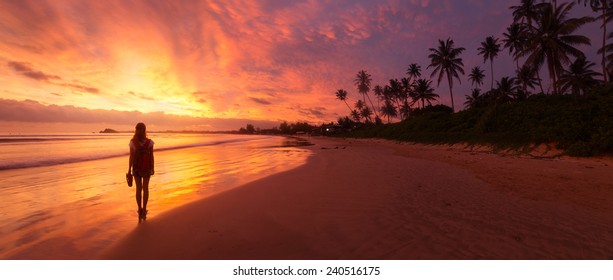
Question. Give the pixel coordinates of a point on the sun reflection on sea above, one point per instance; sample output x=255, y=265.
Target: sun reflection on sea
x=186, y=175
x=82, y=207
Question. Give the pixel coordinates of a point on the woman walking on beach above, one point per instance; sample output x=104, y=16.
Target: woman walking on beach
x=142, y=166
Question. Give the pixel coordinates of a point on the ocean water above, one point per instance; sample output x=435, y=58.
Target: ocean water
x=20, y=151
x=64, y=196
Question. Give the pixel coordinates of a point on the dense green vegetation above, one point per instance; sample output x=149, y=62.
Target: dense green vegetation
x=575, y=113
x=284, y=128
x=580, y=124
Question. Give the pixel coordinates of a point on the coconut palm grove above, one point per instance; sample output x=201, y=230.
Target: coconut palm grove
x=555, y=97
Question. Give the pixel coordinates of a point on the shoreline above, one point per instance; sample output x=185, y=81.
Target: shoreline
x=376, y=199
x=76, y=210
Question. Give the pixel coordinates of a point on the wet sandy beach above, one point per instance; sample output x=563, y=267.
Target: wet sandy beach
x=374, y=199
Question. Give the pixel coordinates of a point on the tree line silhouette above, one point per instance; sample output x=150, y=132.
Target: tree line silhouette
x=542, y=35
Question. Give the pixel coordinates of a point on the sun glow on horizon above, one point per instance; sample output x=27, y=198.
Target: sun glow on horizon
x=260, y=60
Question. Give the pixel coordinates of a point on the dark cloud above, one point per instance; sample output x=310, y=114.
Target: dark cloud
x=35, y=112
x=141, y=96
x=312, y=112
x=275, y=91
x=26, y=69
x=282, y=52
x=81, y=88
x=216, y=101
x=260, y=101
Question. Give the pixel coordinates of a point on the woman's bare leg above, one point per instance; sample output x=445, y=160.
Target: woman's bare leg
x=145, y=193
x=139, y=189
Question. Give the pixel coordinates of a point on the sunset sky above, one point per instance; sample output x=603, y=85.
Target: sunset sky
x=70, y=66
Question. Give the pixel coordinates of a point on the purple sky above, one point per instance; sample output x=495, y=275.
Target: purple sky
x=219, y=63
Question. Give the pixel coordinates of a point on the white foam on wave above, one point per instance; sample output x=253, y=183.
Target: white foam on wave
x=34, y=151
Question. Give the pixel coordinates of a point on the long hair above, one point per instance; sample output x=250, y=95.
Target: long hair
x=140, y=132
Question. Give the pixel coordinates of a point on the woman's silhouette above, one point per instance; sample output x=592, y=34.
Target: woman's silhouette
x=142, y=166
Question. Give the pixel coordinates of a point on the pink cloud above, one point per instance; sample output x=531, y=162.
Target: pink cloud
x=26, y=69
x=33, y=111
x=233, y=53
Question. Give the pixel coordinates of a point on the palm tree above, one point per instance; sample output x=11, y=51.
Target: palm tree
x=341, y=95
x=362, y=81
x=366, y=113
x=489, y=50
x=389, y=110
x=527, y=12
x=505, y=90
x=413, y=72
x=406, y=89
x=405, y=110
x=359, y=105
x=553, y=40
x=378, y=90
x=526, y=78
x=475, y=99
x=446, y=62
x=515, y=40
x=579, y=77
x=603, y=7
x=356, y=115
x=476, y=76
x=395, y=91
x=424, y=92
x=609, y=57
x=608, y=49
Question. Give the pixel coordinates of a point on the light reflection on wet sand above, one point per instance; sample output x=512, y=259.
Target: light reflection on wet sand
x=73, y=211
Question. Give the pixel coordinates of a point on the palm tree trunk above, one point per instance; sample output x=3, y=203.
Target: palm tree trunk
x=517, y=64
x=397, y=101
x=450, y=93
x=538, y=76
x=365, y=104
x=555, y=5
x=371, y=104
x=604, y=40
x=555, y=82
x=492, y=72
x=364, y=99
x=347, y=106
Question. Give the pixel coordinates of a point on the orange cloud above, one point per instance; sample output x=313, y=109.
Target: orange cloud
x=259, y=60
x=27, y=70
x=13, y=112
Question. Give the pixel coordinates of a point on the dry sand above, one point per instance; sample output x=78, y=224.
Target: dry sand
x=375, y=199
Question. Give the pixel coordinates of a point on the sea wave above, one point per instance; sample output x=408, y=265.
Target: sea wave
x=19, y=163
x=27, y=140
